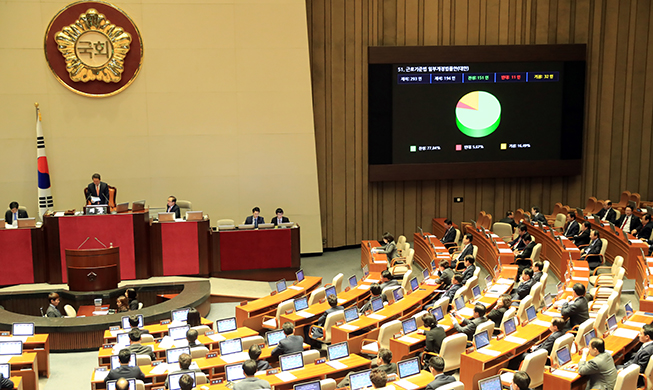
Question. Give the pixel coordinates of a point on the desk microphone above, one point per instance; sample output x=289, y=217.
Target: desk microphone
x=42, y=315
x=96, y=239
x=83, y=242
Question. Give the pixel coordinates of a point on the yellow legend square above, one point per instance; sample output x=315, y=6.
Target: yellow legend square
x=504, y=146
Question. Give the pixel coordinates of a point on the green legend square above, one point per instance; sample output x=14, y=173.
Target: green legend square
x=413, y=148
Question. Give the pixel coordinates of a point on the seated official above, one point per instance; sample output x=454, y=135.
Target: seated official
x=14, y=213
x=557, y=330
x=130, y=293
x=645, y=229
x=124, y=371
x=601, y=371
x=456, y=284
x=52, y=308
x=523, y=258
x=538, y=266
x=449, y=238
x=436, y=367
x=98, y=191
x=172, y=207
x=378, y=378
x=434, y=335
x=251, y=382
x=607, y=213
x=375, y=291
x=518, y=243
x=292, y=343
x=575, y=309
x=186, y=382
x=470, y=326
x=136, y=347
x=468, y=249
x=573, y=227
x=386, y=280
x=279, y=218
x=122, y=304
x=6, y=383
x=510, y=219
x=191, y=337
x=643, y=354
x=317, y=333
x=628, y=222
x=583, y=236
x=185, y=360
x=536, y=216
x=445, y=274
x=502, y=306
x=524, y=288
x=389, y=248
x=384, y=362
x=122, y=384
x=594, y=248
x=254, y=353
x=255, y=219
x=468, y=273
x=520, y=381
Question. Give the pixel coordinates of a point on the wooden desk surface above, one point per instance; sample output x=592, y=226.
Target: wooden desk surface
x=376, y=262
x=87, y=310
x=27, y=367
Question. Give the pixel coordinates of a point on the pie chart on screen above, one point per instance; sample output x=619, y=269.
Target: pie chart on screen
x=478, y=114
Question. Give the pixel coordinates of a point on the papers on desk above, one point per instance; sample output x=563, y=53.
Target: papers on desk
x=552, y=313
x=500, y=288
x=22, y=339
x=580, y=279
x=545, y=324
x=181, y=343
x=380, y=261
x=581, y=269
x=59, y=213
x=341, y=301
x=235, y=357
x=634, y=324
x=160, y=369
x=297, y=288
x=285, y=376
x=516, y=340
x=166, y=342
x=100, y=374
x=101, y=312
x=649, y=297
x=348, y=327
x=304, y=314
x=408, y=339
x=364, y=287
x=406, y=385
x=626, y=333
x=337, y=365
x=377, y=317
x=465, y=312
x=489, y=352
x=5, y=358
x=509, y=282
x=492, y=295
x=565, y=373
x=368, y=280
x=505, y=250
x=217, y=337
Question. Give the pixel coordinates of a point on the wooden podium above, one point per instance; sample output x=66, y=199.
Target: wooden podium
x=93, y=269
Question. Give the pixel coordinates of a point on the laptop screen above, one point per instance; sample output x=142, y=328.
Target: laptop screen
x=301, y=303
x=360, y=380
x=408, y=367
x=352, y=281
x=111, y=385
x=366, y=270
x=563, y=356
x=115, y=361
x=628, y=308
x=589, y=336
x=331, y=290
x=125, y=322
x=433, y=266
x=315, y=385
x=561, y=287
x=509, y=326
x=291, y=361
x=488, y=281
x=234, y=372
x=274, y=336
x=300, y=275
x=409, y=325
x=173, y=379
x=180, y=315
x=531, y=313
x=5, y=370
x=612, y=321
x=338, y=351
x=22, y=329
x=476, y=290
x=172, y=354
x=398, y=294
x=351, y=314
x=178, y=332
x=491, y=383
x=437, y=313
x=122, y=339
x=425, y=273
x=414, y=284
x=226, y=325
x=377, y=304
x=548, y=300
x=281, y=285
x=459, y=302
x=481, y=340
x=230, y=346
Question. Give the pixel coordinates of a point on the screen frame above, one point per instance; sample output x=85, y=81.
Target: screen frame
x=405, y=361
x=231, y=341
x=332, y=346
x=224, y=320
x=13, y=328
x=284, y=357
x=267, y=336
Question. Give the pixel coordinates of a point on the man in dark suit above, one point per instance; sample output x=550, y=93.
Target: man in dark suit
x=523, y=258
x=52, y=308
x=469, y=268
x=644, y=230
x=375, y=291
x=136, y=347
x=333, y=302
x=254, y=354
x=14, y=213
x=384, y=361
x=251, y=382
x=628, y=222
x=536, y=216
x=583, y=237
x=292, y=343
x=6, y=383
x=538, y=266
x=254, y=219
x=470, y=326
x=185, y=361
x=279, y=218
x=386, y=280
x=557, y=330
x=520, y=381
x=172, y=207
x=525, y=286
x=643, y=354
x=468, y=249
x=445, y=274
x=518, y=243
x=124, y=371
x=436, y=367
x=575, y=308
x=510, y=219
x=449, y=238
x=496, y=314
x=98, y=189
x=434, y=335
x=591, y=252
x=607, y=213
x=456, y=284
x=573, y=227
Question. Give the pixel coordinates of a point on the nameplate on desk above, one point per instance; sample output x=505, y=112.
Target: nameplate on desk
x=272, y=371
x=164, y=322
x=210, y=332
x=158, y=340
x=107, y=346
x=114, y=328
x=320, y=361
x=262, y=345
x=322, y=300
x=341, y=322
x=216, y=381
x=289, y=311
x=392, y=377
x=397, y=335
x=156, y=363
x=5, y=333
x=243, y=303
x=211, y=355
x=347, y=289
x=273, y=293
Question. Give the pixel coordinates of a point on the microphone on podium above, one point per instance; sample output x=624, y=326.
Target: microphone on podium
x=87, y=238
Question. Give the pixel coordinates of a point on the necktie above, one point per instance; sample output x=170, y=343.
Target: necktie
x=255, y=221
x=623, y=225
x=15, y=216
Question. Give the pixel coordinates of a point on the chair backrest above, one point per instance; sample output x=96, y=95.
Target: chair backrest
x=113, y=194
x=502, y=229
x=537, y=249
x=618, y=262
x=618, y=213
x=556, y=209
x=401, y=239
x=452, y=347
x=201, y=329
x=316, y=295
x=487, y=325
x=473, y=281
x=461, y=291
x=388, y=292
x=621, y=272
x=140, y=385
x=601, y=318
x=328, y=384
x=184, y=206
x=70, y=311
x=625, y=197
x=627, y=378
x=543, y=280
x=310, y=356
x=330, y=322
x=613, y=302
x=457, y=385
x=147, y=338
x=457, y=240
x=582, y=329
x=477, y=272
x=521, y=310
x=251, y=340
x=225, y=222
x=545, y=267
x=506, y=316
x=337, y=282
x=604, y=246
x=419, y=318
x=475, y=252
x=560, y=221
x=534, y=364
x=618, y=285
x=566, y=339
x=199, y=352
x=281, y=309
x=648, y=372
x=143, y=360
x=590, y=205
x=410, y=254
x=405, y=282
x=636, y=198
x=443, y=303
x=536, y=294
x=386, y=332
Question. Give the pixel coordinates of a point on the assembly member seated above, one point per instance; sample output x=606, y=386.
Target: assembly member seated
x=317, y=333
x=510, y=219
x=279, y=218
x=375, y=291
x=191, y=337
x=573, y=227
x=251, y=382
x=99, y=190
x=172, y=207
x=449, y=238
x=185, y=361
x=186, y=382
x=523, y=258
x=384, y=363
x=436, y=367
x=14, y=213
x=524, y=288
x=470, y=326
x=254, y=354
x=583, y=236
x=591, y=252
x=136, y=347
x=292, y=343
x=52, y=308
x=645, y=229
x=628, y=222
x=643, y=354
x=557, y=330
x=607, y=213
x=601, y=371
x=124, y=371
x=255, y=219
x=536, y=216
x=575, y=308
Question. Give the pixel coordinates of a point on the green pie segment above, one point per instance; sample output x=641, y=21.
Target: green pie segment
x=478, y=114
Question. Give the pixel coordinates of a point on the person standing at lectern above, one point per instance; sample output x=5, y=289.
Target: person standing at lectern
x=54, y=302
x=254, y=219
x=98, y=190
x=172, y=207
x=14, y=213
x=279, y=218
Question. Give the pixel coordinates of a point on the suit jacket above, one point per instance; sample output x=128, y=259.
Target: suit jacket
x=125, y=372
x=582, y=238
x=536, y=277
x=250, y=220
x=390, y=250
x=572, y=228
x=510, y=221
x=539, y=217
x=594, y=248
x=523, y=290
x=445, y=278
x=611, y=215
x=644, y=231
x=468, y=250
x=133, y=304
x=262, y=365
x=434, y=339
x=252, y=383
x=601, y=372
x=290, y=344
x=275, y=220
x=6, y=383
x=451, y=291
x=317, y=333
x=634, y=222
x=103, y=195
x=9, y=216
x=53, y=312
x=139, y=349
x=527, y=252
x=440, y=380
x=368, y=305
x=470, y=326
x=389, y=283
x=518, y=243
x=468, y=273
x=174, y=209
x=496, y=315
x=547, y=344
x=641, y=358
x=449, y=235
x=577, y=311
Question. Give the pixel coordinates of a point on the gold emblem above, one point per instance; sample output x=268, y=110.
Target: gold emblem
x=93, y=48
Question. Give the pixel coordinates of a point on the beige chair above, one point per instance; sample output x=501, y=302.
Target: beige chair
x=147, y=338
x=405, y=282
x=225, y=222
x=401, y=265
x=200, y=378
x=443, y=303
x=600, y=258
x=270, y=322
x=560, y=221
x=600, y=321
x=184, y=206
x=510, y=313
x=388, y=292
x=487, y=325
x=601, y=294
x=337, y=282
x=533, y=365
x=70, y=311
x=402, y=245
x=604, y=284
x=329, y=323
x=463, y=291
x=387, y=330
x=309, y=356
x=143, y=360
x=537, y=250
x=521, y=310
x=612, y=303
x=536, y=293
x=471, y=282
x=200, y=352
x=627, y=378
x=419, y=320
x=328, y=384
x=648, y=374
x=316, y=295
x=477, y=271
x=251, y=340
x=452, y=348
x=545, y=268
x=583, y=328
x=567, y=340
x=457, y=385
x=201, y=329
x=140, y=385
x=597, y=276
x=502, y=230
x=543, y=280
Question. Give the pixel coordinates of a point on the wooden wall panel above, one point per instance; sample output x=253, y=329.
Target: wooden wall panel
x=619, y=106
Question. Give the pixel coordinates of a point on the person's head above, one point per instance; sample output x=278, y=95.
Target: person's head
x=385, y=275
x=608, y=204
x=378, y=378
x=256, y=211
x=279, y=212
x=184, y=361
x=646, y=218
x=505, y=300
x=130, y=293
x=444, y=264
x=527, y=274
x=448, y=223
x=387, y=237
x=385, y=356
x=646, y=333
x=479, y=310
x=375, y=289
x=557, y=325
x=430, y=321
x=288, y=328
x=629, y=210
x=191, y=335
x=123, y=356
x=468, y=239
x=469, y=260
x=520, y=381
x=194, y=318
x=509, y=214
x=572, y=215
x=535, y=210
x=538, y=266
x=133, y=321
x=594, y=235
x=596, y=346
x=122, y=302
x=254, y=352
x=96, y=178
x=457, y=279
x=134, y=336
x=249, y=367
x=527, y=238
x=579, y=290
x=523, y=229
x=171, y=201
x=587, y=225
x=13, y=206
x=186, y=382
x=54, y=298
x=122, y=384
x=436, y=365
x=333, y=300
